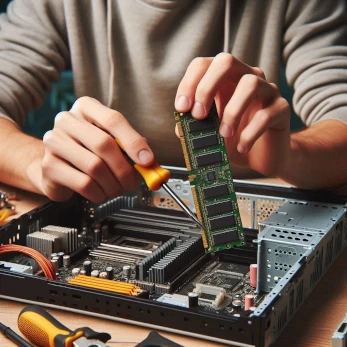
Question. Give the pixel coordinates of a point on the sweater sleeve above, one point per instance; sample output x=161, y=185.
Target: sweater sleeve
x=33, y=52
x=315, y=54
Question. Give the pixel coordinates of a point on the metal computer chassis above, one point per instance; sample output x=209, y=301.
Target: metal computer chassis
x=288, y=283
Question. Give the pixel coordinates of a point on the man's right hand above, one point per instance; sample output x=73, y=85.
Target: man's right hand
x=81, y=154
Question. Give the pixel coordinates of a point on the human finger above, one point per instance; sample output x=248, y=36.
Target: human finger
x=103, y=145
x=185, y=95
x=64, y=147
x=57, y=173
x=224, y=68
x=276, y=117
x=249, y=88
x=206, y=76
x=116, y=124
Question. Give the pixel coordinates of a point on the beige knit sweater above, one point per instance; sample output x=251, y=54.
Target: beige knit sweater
x=132, y=54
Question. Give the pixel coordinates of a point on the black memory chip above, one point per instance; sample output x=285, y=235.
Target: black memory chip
x=209, y=158
x=212, y=192
x=225, y=237
x=205, y=141
x=222, y=222
x=199, y=125
x=211, y=175
x=219, y=208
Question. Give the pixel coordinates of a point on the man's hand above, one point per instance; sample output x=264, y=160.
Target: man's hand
x=81, y=154
x=255, y=119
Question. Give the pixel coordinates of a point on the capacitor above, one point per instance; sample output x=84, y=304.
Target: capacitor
x=110, y=272
x=237, y=304
x=253, y=271
x=75, y=271
x=87, y=266
x=126, y=270
x=103, y=274
x=58, y=261
x=249, y=301
x=94, y=273
x=55, y=263
x=237, y=297
x=97, y=236
x=104, y=232
x=193, y=300
x=66, y=260
x=83, y=272
x=81, y=240
x=84, y=231
x=54, y=255
x=60, y=255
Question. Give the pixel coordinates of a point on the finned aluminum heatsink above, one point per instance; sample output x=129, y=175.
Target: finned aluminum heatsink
x=44, y=243
x=67, y=235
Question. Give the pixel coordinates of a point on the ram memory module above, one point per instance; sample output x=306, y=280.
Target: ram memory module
x=210, y=180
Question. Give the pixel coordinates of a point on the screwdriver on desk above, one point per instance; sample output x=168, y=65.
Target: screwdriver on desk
x=42, y=329
x=13, y=336
x=156, y=177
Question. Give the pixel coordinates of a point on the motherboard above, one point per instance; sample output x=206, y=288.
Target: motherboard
x=135, y=260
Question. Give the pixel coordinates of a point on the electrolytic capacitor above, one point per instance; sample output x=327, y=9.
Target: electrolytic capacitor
x=54, y=255
x=83, y=272
x=249, y=301
x=55, y=263
x=75, y=271
x=94, y=273
x=126, y=270
x=87, y=266
x=193, y=300
x=66, y=260
x=110, y=272
x=97, y=236
x=237, y=304
x=253, y=270
x=103, y=274
x=60, y=255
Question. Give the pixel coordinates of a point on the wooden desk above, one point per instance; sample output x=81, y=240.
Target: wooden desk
x=312, y=326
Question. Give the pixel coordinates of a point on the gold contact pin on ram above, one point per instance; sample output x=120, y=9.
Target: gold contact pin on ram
x=185, y=153
x=198, y=214
x=180, y=130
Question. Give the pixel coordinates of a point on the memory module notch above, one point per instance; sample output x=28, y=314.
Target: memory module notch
x=211, y=181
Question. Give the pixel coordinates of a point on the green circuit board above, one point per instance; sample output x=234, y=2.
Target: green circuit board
x=211, y=180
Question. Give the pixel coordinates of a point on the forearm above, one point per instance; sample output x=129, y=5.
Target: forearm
x=20, y=158
x=318, y=156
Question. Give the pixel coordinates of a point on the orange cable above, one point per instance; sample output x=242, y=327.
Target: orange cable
x=45, y=264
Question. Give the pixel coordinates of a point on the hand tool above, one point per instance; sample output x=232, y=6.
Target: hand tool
x=42, y=329
x=4, y=214
x=10, y=334
x=156, y=177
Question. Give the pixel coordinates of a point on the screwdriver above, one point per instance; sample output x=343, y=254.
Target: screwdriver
x=42, y=329
x=156, y=177
x=10, y=334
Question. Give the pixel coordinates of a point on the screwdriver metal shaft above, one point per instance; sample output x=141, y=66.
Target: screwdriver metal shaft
x=180, y=203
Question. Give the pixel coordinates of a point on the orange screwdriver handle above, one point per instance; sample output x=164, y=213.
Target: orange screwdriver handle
x=42, y=329
x=154, y=175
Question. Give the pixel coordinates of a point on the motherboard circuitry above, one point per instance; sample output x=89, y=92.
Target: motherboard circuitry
x=136, y=263
x=211, y=180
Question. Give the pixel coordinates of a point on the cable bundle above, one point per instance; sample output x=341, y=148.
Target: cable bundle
x=45, y=264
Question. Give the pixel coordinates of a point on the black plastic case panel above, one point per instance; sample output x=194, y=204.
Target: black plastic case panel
x=114, y=306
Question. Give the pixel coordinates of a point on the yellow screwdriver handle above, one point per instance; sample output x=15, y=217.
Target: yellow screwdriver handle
x=4, y=214
x=154, y=175
x=43, y=330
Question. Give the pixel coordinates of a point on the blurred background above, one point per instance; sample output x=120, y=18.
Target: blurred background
x=61, y=97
